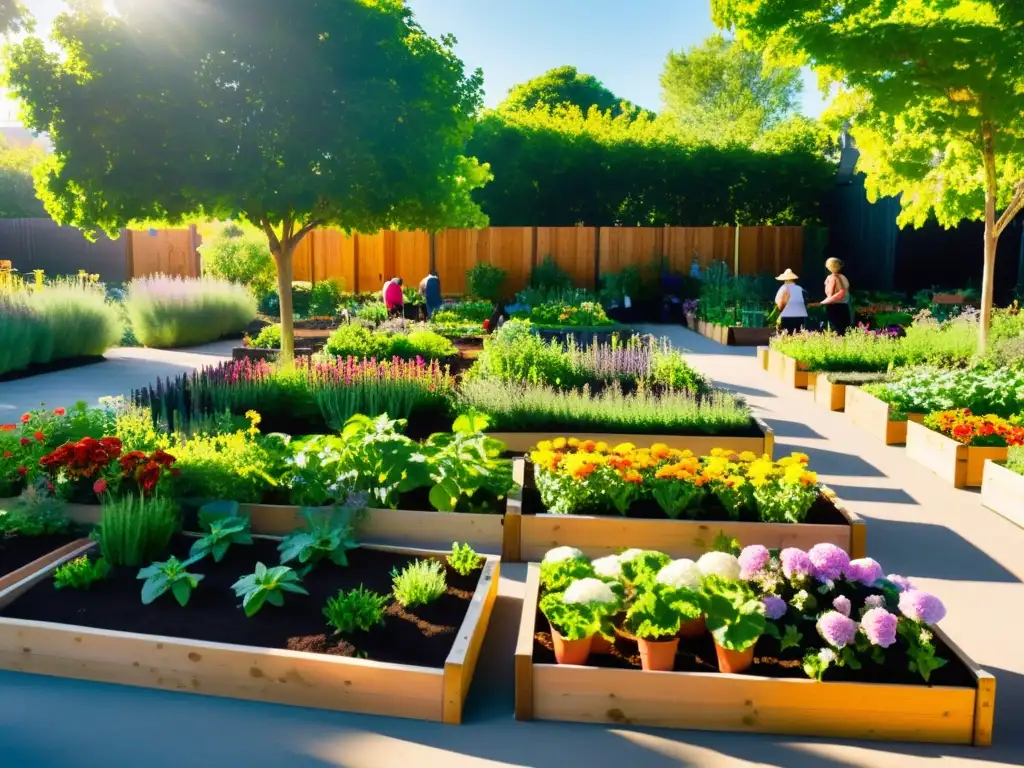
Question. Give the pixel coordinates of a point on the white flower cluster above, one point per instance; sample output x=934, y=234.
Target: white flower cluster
x=719, y=564
x=680, y=574
x=609, y=567
x=560, y=554
x=585, y=591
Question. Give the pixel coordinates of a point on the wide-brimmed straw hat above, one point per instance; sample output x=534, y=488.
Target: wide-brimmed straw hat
x=788, y=275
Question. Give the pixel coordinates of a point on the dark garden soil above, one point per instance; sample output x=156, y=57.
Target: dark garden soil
x=698, y=655
x=54, y=365
x=17, y=551
x=420, y=635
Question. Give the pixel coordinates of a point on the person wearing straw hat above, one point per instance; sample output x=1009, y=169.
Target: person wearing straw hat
x=790, y=301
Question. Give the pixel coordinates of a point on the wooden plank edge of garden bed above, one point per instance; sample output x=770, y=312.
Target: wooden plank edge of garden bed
x=725, y=702
x=524, y=644
x=70, y=551
x=1002, y=491
x=245, y=672
x=959, y=464
x=462, y=659
x=872, y=415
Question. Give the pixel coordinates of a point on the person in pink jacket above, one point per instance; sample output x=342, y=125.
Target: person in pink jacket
x=393, y=299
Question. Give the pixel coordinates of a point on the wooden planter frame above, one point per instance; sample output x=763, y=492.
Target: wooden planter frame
x=788, y=370
x=874, y=416
x=1002, y=491
x=762, y=357
x=702, y=445
x=958, y=464
x=827, y=394
x=747, y=703
x=598, y=536
x=59, y=556
x=258, y=674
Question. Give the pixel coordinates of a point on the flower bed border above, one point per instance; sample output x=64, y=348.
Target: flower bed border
x=735, y=336
x=762, y=357
x=788, y=370
x=522, y=442
x=747, y=703
x=59, y=556
x=827, y=394
x=258, y=674
x=1002, y=491
x=607, y=535
x=872, y=415
x=958, y=464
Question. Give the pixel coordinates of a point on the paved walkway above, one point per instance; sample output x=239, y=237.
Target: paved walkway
x=918, y=526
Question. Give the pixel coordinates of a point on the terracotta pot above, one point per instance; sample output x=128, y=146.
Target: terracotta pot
x=693, y=628
x=600, y=645
x=658, y=655
x=734, y=662
x=571, y=651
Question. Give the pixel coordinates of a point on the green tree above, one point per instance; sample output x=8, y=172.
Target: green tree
x=935, y=92
x=13, y=16
x=722, y=91
x=17, y=190
x=290, y=116
x=564, y=86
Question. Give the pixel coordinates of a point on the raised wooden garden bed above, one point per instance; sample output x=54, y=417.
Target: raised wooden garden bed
x=523, y=442
x=603, y=535
x=762, y=357
x=19, y=564
x=1002, y=491
x=735, y=336
x=875, y=416
x=826, y=393
x=714, y=701
x=788, y=370
x=275, y=675
x=958, y=464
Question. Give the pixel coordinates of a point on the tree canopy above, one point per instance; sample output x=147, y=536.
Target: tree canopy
x=13, y=16
x=17, y=190
x=935, y=93
x=562, y=87
x=724, y=91
x=287, y=115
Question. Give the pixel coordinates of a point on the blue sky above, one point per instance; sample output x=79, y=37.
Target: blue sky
x=623, y=43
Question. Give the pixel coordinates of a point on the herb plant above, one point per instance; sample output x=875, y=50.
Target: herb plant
x=80, y=573
x=223, y=527
x=35, y=513
x=329, y=537
x=419, y=583
x=267, y=585
x=356, y=610
x=171, y=575
x=134, y=529
x=463, y=559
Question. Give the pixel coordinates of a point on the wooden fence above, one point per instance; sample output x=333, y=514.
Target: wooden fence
x=163, y=251
x=363, y=262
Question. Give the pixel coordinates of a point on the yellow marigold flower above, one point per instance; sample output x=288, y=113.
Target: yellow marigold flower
x=747, y=456
x=559, y=443
x=660, y=450
x=623, y=449
x=735, y=481
x=794, y=474
x=574, y=442
x=544, y=445
x=601, y=447
x=809, y=478
x=803, y=458
x=786, y=461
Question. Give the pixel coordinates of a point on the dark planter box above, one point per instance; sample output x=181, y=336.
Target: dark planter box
x=750, y=337
x=255, y=354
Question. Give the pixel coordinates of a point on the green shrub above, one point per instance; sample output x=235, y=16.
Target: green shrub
x=372, y=312
x=485, y=281
x=238, y=466
x=268, y=338
x=325, y=298
x=516, y=353
x=179, y=312
x=351, y=340
x=240, y=256
x=548, y=276
x=1015, y=460
x=356, y=341
x=80, y=573
x=358, y=610
x=136, y=530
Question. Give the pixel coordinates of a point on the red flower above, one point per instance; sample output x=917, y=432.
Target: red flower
x=39, y=436
x=487, y=325
x=99, y=486
x=8, y=427
x=59, y=411
x=26, y=418
x=7, y=454
x=25, y=441
x=149, y=476
x=22, y=471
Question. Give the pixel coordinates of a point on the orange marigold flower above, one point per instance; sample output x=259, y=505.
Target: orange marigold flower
x=587, y=446
x=632, y=476
x=660, y=451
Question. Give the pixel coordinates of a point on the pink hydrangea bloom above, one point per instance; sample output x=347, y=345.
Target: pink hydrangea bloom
x=920, y=606
x=753, y=560
x=774, y=607
x=879, y=627
x=864, y=570
x=902, y=583
x=837, y=630
x=842, y=604
x=829, y=561
x=795, y=562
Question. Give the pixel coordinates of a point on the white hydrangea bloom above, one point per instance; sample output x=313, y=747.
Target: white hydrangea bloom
x=609, y=567
x=630, y=554
x=558, y=554
x=588, y=591
x=719, y=564
x=680, y=574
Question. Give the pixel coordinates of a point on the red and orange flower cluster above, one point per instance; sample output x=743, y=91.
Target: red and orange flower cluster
x=101, y=462
x=969, y=429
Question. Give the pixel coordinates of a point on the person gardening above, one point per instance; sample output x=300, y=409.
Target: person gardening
x=790, y=301
x=837, y=298
x=430, y=290
x=394, y=301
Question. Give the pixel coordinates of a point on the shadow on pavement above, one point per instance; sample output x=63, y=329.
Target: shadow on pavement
x=873, y=494
x=795, y=429
x=826, y=462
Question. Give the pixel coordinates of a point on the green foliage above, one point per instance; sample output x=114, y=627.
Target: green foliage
x=328, y=537
x=224, y=527
x=658, y=609
x=267, y=585
x=17, y=189
x=419, y=583
x=372, y=312
x=464, y=559
x=325, y=298
x=464, y=311
x=556, y=576
x=269, y=337
x=169, y=576
x=181, y=312
x=80, y=573
x=484, y=282
x=575, y=621
x=33, y=514
x=735, y=300
x=722, y=91
x=358, y=610
x=564, y=86
x=134, y=529
x=924, y=390
x=548, y=276
x=735, y=616
x=240, y=255
x=1015, y=460
x=356, y=341
x=232, y=465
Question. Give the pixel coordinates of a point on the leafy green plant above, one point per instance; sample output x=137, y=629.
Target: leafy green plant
x=735, y=616
x=241, y=255
x=557, y=574
x=464, y=559
x=224, y=527
x=35, y=513
x=1015, y=460
x=169, y=576
x=136, y=529
x=485, y=281
x=269, y=337
x=179, y=312
x=267, y=585
x=419, y=583
x=329, y=537
x=658, y=609
x=358, y=610
x=547, y=275
x=80, y=573
x=372, y=312
x=325, y=297
x=583, y=610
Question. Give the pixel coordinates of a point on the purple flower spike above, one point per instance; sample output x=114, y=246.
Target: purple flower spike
x=774, y=607
x=829, y=561
x=753, y=560
x=837, y=630
x=920, y=606
x=842, y=604
x=865, y=571
x=795, y=562
x=879, y=627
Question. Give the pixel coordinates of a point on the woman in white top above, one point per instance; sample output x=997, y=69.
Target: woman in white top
x=790, y=301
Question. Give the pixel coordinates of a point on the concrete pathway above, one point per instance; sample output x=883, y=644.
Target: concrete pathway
x=942, y=538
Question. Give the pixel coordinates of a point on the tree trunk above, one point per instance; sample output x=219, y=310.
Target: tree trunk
x=991, y=235
x=283, y=258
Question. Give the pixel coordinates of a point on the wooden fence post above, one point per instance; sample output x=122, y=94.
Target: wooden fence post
x=736, y=254
x=433, y=253
x=597, y=258
x=533, y=252
x=355, y=262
